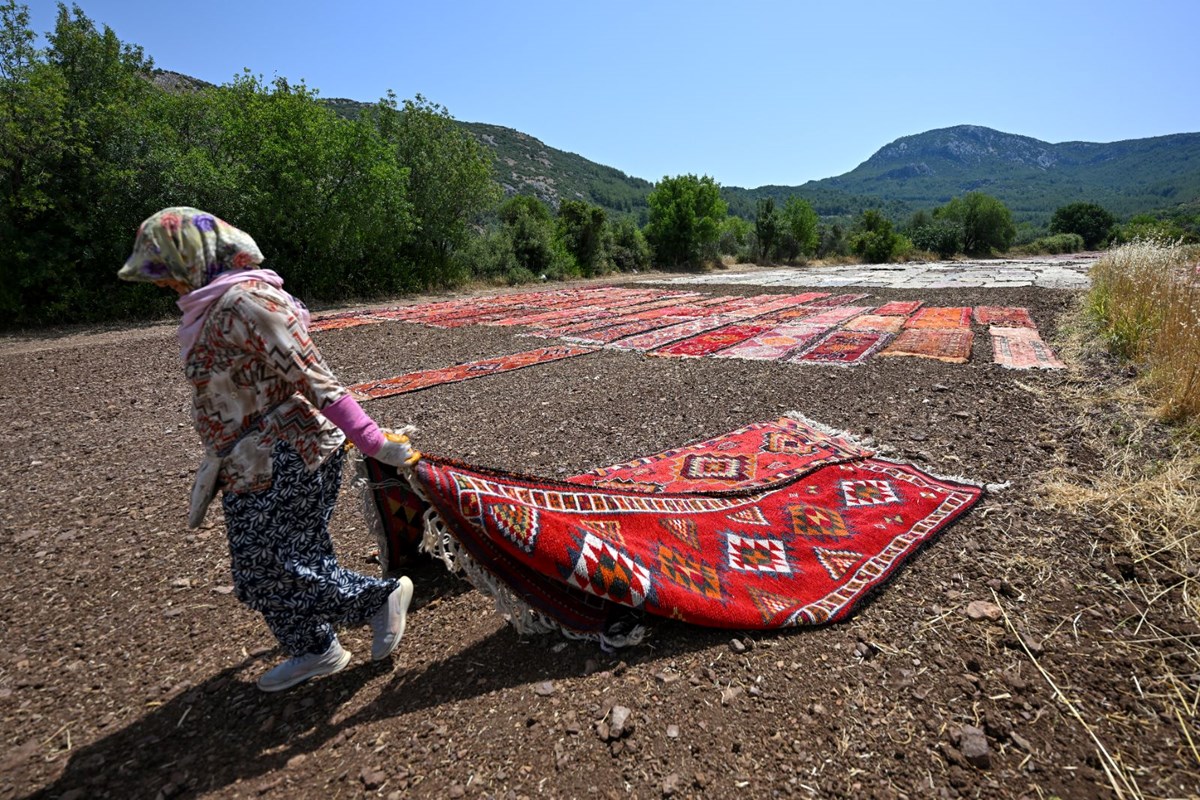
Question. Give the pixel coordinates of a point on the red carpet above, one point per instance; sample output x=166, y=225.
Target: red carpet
x=802, y=542
x=413, y=381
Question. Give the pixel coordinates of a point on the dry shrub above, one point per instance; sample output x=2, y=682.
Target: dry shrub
x=1146, y=298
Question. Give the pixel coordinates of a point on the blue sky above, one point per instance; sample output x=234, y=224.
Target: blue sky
x=752, y=93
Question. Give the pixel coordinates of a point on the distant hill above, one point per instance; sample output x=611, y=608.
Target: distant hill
x=1031, y=176
x=924, y=170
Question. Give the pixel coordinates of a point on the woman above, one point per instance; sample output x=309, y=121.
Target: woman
x=271, y=416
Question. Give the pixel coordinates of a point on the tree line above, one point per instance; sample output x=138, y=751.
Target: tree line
x=397, y=199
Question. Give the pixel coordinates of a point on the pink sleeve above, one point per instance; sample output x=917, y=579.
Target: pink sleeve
x=360, y=429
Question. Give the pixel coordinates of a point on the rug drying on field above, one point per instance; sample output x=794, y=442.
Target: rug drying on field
x=1022, y=348
x=951, y=346
x=770, y=553
x=413, y=381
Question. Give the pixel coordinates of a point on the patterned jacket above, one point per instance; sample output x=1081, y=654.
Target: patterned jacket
x=258, y=379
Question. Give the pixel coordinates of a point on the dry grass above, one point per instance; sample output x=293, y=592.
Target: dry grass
x=1146, y=298
x=1146, y=491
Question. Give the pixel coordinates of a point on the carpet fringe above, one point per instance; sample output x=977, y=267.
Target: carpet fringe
x=864, y=442
x=370, y=509
x=439, y=543
x=528, y=621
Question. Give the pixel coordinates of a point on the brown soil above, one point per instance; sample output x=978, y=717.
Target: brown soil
x=127, y=667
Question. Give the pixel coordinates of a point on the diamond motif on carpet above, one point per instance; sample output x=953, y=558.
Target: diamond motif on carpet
x=606, y=571
x=837, y=562
x=868, y=493
x=720, y=468
x=747, y=554
x=685, y=571
x=815, y=522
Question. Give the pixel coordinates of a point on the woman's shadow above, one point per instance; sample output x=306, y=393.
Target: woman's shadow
x=226, y=731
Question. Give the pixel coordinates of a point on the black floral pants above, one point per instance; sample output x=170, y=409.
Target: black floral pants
x=283, y=561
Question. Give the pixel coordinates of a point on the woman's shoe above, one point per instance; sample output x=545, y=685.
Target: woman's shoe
x=301, y=668
x=388, y=622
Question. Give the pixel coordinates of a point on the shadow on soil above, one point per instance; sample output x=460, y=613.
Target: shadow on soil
x=224, y=731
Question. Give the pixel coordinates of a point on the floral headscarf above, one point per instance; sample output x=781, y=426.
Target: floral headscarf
x=188, y=245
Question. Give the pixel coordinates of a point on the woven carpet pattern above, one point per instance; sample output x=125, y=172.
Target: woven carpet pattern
x=951, y=346
x=844, y=348
x=774, y=344
x=803, y=551
x=1022, y=348
x=1004, y=317
x=940, y=318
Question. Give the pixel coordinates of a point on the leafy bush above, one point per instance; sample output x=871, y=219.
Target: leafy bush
x=1058, y=243
x=941, y=236
x=1092, y=222
x=581, y=230
x=800, y=224
x=734, y=236
x=987, y=224
x=767, y=225
x=1147, y=227
x=833, y=241
x=535, y=245
x=628, y=249
x=90, y=148
x=875, y=241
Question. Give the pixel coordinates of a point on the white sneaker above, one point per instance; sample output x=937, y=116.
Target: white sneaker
x=301, y=668
x=388, y=622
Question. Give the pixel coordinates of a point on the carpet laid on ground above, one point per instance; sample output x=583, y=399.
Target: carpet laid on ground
x=775, y=344
x=412, y=381
x=801, y=538
x=886, y=323
x=1022, y=348
x=940, y=318
x=1004, y=317
x=844, y=348
x=951, y=346
x=342, y=321
x=708, y=343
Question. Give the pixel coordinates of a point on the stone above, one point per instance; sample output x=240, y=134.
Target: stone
x=973, y=745
x=983, y=609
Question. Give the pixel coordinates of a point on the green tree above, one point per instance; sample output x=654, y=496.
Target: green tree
x=685, y=219
x=76, y=164
x=800, y=222
x=735, y=237
x=536, y=248
x=833, y=241
x=581, y=227
x=450, y=185
x=1092, y=222
x=766, y=227
x=629, y=250
x=987, y=224
x=874, y=240
x=941, y=236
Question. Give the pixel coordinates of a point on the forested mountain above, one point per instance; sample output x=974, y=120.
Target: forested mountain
x=924, y=170
x=1032, y=177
